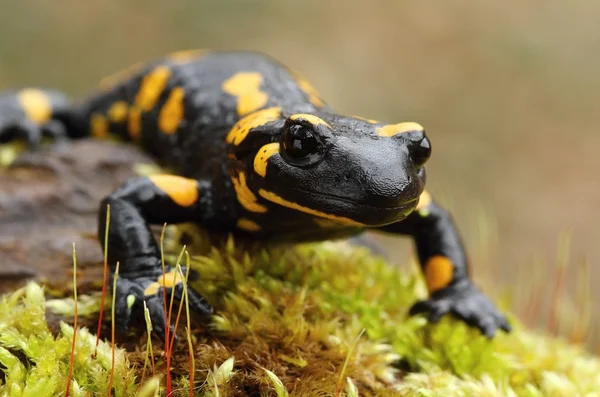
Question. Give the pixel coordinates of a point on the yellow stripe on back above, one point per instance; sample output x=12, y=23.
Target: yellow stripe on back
x=246, y=87
x=118, y=111
x=171, y=114
x=153, y=84
x=134, y=123
x=98, y=126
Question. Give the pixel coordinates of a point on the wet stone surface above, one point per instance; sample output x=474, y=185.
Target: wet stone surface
x=49, y=200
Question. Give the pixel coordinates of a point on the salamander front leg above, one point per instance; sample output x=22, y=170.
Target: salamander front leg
x=137, y=204
x=444, y=265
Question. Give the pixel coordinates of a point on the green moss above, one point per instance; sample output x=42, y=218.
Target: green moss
x=286, y=322
x=34, y=362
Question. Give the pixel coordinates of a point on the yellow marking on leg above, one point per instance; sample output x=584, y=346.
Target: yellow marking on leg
x=424, y=201
x=248, y=225
x=439, y=271
x=134, y=123
x=400, y=128
x=171, y=114
x=183, y=191
x=245, y=196
x=365, y=119
x=185, y=55
x=314, y=120
x=109, y=82
x=36, y=105
x=242, y=128
x=98, y=125
x=152, y=289
x=170, y=279
x=246, y=87
x=118, y=112
x=262, y=157
x=153, y=84
x=295, y=206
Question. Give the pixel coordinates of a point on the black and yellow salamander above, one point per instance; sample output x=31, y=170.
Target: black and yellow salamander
x=255, y=152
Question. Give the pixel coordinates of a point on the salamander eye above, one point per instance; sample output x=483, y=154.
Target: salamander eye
x=300, y=145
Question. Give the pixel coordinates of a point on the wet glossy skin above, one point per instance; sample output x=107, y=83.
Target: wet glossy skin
x=256, y=152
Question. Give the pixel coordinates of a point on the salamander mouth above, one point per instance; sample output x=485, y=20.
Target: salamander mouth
x=361, y=213
x=334, y=197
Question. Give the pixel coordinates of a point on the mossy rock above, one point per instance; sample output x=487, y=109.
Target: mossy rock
x=327, y=319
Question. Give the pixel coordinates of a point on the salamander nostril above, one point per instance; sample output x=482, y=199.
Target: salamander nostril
x=420, y=150
x=347, y=176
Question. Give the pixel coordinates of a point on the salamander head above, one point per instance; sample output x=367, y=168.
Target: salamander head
x=346, y=168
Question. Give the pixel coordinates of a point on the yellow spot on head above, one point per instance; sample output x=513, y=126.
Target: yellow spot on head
x=308, y=89
x=98, y=126
x=424, y=200
x=185, y=56
x=311, y=92
x=183, y=191
x=170, y=279
x=117, y=113
x=134, y=123
x=242, y=128
x=152, y=289
x=245, y=196
x=395, y=129
x=35, y=104
x=367, y=120
x=262, y=157
x=246, y=87
x=295, y=206
x=171, y=114
x=438, y=273
x=152, y=85
x=314, y=120
x=248, y=225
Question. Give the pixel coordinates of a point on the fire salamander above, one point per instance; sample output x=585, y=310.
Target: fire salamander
x=255, y=152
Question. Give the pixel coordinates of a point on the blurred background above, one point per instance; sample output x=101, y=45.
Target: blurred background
x=508, y=92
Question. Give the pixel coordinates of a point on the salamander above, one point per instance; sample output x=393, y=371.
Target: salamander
x=254, y=151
